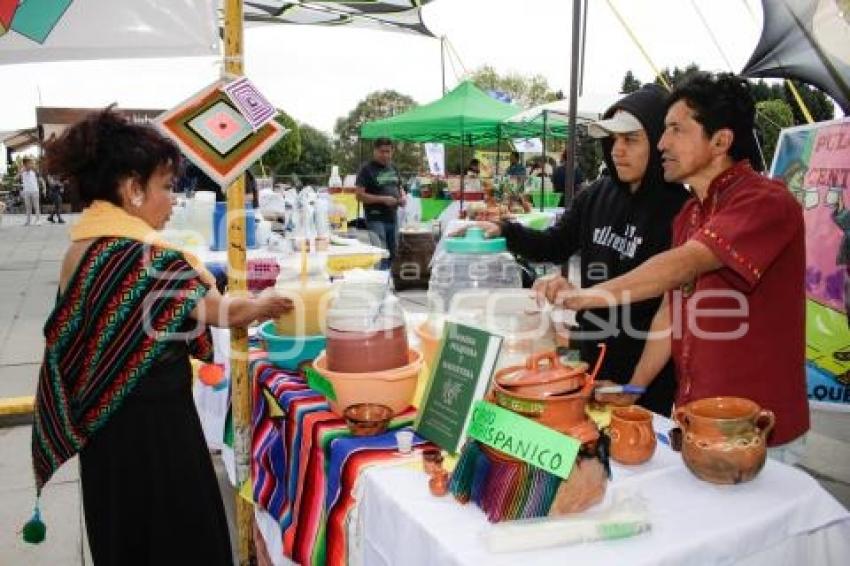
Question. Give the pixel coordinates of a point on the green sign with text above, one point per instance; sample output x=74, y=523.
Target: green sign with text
x=524, y=439
x=460, y=377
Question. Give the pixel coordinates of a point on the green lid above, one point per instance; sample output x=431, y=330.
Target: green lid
x=474, y=242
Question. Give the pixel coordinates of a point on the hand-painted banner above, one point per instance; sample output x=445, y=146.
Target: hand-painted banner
x=814, y=161
x=55, y=30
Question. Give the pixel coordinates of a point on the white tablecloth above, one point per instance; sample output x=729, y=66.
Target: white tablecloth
x=781, y=517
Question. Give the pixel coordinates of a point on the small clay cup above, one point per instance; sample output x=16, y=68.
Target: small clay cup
x=439, y=483
x=367, y=419
x=632, y=438
x=432, y=461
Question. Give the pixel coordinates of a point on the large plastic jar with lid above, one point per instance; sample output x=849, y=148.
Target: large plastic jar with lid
x=470, y=266
x=365, y=335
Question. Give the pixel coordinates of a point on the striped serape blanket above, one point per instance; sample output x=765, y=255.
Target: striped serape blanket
x=305, y=464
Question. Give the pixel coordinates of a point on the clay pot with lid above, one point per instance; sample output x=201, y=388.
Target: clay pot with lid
x=724, y=438
x=550, y=392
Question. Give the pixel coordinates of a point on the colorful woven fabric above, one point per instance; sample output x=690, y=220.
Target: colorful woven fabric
x=124, y=303
x=504, y=489
x=305, y=466
x=214, y=135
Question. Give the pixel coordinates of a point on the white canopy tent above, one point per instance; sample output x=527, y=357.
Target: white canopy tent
x=590, y=108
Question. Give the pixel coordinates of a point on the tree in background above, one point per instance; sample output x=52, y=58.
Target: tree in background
x=771, y=117
x=589, y=155
x=11, y=174
x=527, y=91
x=377, y=105
x=676, y=74
x=630, y=83
x=818, y=103
x=282, y=156
x=314, y=166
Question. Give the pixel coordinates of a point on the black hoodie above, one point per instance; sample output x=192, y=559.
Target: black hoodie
x=616, y=230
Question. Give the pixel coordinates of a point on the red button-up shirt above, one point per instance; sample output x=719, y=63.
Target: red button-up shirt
x=739, y=330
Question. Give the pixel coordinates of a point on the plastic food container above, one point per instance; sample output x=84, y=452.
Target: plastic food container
x=288, y=352
x=471, y=264
x=394, y=388
x=311, y=304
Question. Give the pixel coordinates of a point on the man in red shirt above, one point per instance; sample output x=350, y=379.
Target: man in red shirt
x=734, y=307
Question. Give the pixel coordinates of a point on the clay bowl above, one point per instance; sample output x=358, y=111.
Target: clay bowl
x=724, y=438
x=367, y=419
x=564, y=385
x=540, y=379
x=429, y=341
x=394, y=388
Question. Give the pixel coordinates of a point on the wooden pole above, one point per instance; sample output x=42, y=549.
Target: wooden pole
x=237, y=285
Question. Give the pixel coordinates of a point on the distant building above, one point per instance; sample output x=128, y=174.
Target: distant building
x=51, y=121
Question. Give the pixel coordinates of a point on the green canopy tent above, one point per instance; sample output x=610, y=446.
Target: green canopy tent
x=465, y=114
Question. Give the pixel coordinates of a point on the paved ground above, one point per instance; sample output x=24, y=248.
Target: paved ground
x=29, y=267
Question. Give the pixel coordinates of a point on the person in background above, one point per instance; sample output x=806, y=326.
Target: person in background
x=516, y=168
x=540, y=168
x=615, y=224
x=115, y=384
x=734, y=281
x=559, y=179
x=30, y=191
x=54, y=194
x=379, y=189
x=474, y=168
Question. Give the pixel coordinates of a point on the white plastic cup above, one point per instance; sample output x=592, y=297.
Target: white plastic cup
x=404, y=438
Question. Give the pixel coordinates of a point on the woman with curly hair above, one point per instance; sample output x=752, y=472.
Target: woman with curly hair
x=115, y=383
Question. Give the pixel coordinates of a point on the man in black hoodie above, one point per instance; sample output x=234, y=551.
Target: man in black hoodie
x=617, y=223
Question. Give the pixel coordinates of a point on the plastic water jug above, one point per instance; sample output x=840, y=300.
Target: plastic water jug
x=219, y=222
x=469, y=267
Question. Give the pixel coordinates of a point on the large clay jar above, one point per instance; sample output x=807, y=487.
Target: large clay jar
x=632, y=438
x=549, y=392
x=724, y=438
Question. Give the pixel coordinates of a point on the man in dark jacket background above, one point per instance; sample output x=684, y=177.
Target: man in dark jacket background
x=617, y=223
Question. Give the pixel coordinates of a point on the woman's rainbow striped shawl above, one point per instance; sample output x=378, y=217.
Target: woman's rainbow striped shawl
x=124, y=303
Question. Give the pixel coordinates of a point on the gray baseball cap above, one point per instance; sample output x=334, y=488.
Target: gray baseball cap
x=622, y=122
